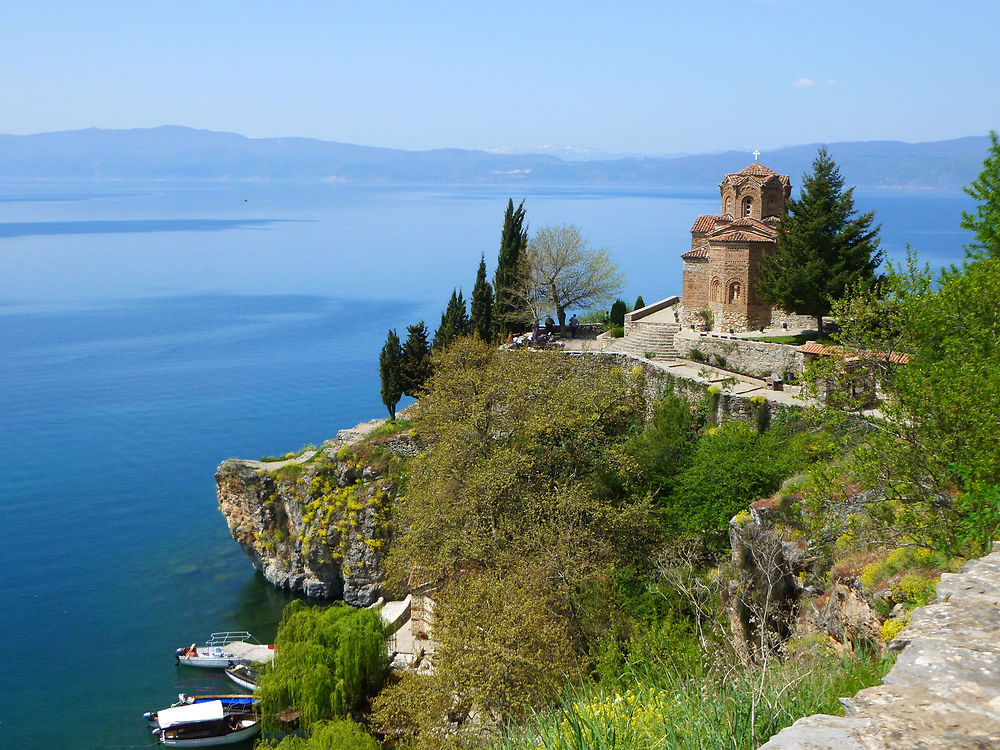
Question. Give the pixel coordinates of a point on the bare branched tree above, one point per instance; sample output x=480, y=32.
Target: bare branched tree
x=564, y=272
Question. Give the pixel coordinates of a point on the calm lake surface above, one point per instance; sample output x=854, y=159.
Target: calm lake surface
x=150, y=330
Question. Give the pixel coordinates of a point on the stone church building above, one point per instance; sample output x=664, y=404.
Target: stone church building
x=722, y=266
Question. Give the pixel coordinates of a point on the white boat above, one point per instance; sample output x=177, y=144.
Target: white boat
x=244, y=675
x=205, y=724
x=226, y=649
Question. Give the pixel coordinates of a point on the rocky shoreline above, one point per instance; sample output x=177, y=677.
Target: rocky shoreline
x=316, y=523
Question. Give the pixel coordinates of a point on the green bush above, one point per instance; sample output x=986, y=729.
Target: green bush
x=618, y=310
x=617, y=331
x=697, y=355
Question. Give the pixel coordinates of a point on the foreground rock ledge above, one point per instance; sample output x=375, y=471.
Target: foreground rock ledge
x=943, y=691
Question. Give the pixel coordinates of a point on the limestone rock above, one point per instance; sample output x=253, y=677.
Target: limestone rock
x=268, y=516
x=944, y=689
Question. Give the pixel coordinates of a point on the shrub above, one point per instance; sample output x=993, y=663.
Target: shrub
x=706, y=316
x=718, y=360
x=617, y=331
x=618, y=310
x=697, y=355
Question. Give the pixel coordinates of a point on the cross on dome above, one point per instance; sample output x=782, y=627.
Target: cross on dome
x=756, y=153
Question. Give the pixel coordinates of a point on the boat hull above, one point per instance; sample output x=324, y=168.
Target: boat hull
x=240, y=735
x=212, y=662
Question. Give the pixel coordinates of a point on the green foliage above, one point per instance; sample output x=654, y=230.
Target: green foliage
x=510, y=261
x=617, y=331
x=454, y=321
x=337, y=734
x=390, y=371
x=731, y=467
x=660, y=707
x=823, y=249
x=618, y=310
x=985, y=222
x=330, y=661
x=481, y=307
x=415, y=361
x=658, y=453
x=933, y=451
x=697, y=355
x=639, y=304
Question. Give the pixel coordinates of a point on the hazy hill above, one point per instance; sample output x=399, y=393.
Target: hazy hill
x=173, y=152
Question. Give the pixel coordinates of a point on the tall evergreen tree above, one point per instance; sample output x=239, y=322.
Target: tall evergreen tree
x=454, y=321
x=985, y=222
x=639, y=303
x=513, y=250
x=390, y=372
x=481, y=307
x=416, y=359
x=823, y=248
x=618, y=310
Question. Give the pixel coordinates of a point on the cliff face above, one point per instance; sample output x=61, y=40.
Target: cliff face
x=318, y=525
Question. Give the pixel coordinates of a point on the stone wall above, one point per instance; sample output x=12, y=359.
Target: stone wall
x=944, y=689
x=757, y=358
x=730, y=405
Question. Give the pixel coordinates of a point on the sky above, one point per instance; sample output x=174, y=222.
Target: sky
x=625, y=77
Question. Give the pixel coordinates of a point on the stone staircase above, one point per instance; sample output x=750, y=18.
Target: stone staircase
x=648, y=338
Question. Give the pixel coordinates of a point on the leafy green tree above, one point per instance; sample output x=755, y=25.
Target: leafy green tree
x=510, y=260
x=331, y=661
x=566, y=272
x=932, y=343
x=639, y=304
x=985, y=222
x=415, y=361
x=481, y=307
x=390, y=371
x=823, y=248
x=618, y=310
x=454, y=321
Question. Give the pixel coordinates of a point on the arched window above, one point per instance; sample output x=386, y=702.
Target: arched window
x=735, y=292
x=729, y=206
x=747, y=206
x=716, y=290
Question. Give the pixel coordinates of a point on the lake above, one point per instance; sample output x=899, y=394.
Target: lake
x=150, y=330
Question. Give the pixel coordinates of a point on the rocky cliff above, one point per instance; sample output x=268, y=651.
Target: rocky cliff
x=317, y=523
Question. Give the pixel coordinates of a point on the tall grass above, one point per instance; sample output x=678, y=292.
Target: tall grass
x=716, y=708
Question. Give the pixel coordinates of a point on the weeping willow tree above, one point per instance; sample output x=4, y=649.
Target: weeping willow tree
x=339, y=734
x=328, y=661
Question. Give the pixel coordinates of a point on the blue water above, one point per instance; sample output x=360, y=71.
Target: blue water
x=148, y=331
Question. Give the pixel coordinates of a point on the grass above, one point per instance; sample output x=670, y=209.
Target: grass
x=796, y=340
x=740, y=707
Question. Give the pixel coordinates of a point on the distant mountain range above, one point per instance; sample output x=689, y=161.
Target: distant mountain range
x=173, y=152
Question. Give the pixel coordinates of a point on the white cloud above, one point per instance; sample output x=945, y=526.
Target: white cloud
x=830, y=82
x=803, y=82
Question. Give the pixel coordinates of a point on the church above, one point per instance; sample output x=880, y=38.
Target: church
x=727, y=250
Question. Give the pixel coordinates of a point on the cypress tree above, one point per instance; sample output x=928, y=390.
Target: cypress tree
x=481, y=308
x=823, y=249
x=415, y=363
x=391, y=374
x=454, y=321
x=618, y=310
x=513, y=250
x=639, y=303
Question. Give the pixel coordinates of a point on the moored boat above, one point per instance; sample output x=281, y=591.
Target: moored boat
x=206, y=724
x=225, y=649
x=244, y=675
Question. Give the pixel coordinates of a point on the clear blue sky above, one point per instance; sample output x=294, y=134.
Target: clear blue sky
x=651, y=77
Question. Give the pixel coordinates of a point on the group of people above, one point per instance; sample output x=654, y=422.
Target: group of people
x=573, y=323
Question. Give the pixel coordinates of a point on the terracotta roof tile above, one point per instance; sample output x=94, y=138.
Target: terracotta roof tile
x=759, y=173
x=738, y=235
x=705, y=223
x=698, y=252
x=811, y=347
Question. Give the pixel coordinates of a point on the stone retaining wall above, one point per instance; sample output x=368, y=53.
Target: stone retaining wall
x=944, y=689
x=757, y=358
